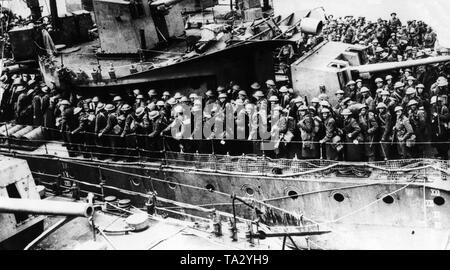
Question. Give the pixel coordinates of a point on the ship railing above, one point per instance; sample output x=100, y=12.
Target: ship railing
x=211, y=155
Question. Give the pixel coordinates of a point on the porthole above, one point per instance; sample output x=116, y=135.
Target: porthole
x=277, y=171
x=135, y=182
x=210, y=187
x=338, y=197
x=439, y=200
x=172, y=182
x=172, y=185
x=293, y=194
x=388, y=199
x=249, y=191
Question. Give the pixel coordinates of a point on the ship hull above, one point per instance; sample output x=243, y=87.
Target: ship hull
x=352, y=208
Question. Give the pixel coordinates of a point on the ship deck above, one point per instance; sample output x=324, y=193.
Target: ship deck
x=86, y=57
x=162, y=234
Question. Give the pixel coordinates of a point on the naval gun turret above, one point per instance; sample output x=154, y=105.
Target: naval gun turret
x=21, y=208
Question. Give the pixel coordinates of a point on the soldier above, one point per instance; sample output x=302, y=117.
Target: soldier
x=272, y=89
x=331, y=138
x=77, y=134
x=410, y=82
x=404, y=133
x=417, y=118
x=285, y=98
x=108, y=130
x=440, y=117
x=193, y=97
x=366, y=99
x=379, y=83
x=118, y=102
x=233, y=93
x=23, y=108
x=154, y=143
x=369, y=130
x=340, y=97
x=152, y=96
x=309, y=127
x=139, y=102
x=351, y=90
x=389, y=85
x=409, y=95
x=68, y=123
x=165, y=96
x=286, y=126
x=353, y=137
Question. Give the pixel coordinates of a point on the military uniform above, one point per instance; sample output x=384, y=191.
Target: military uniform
x=405, y=137
x=352, y=133
x=109, y=134
x=331, y=139
x=440, y=117
x=369, y=128
x=309, y=127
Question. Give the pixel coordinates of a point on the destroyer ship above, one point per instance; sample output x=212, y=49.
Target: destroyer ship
x=389, y=204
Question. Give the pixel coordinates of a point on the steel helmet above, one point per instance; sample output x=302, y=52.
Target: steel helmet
x=364, y=90
x=140, y=111
x=242, y=93
x=283, y=89
x=377, y=80
x=160, y=103
x=184, y=99
x=110, y=107
x=410, y=91
x=420, y=86
x=117, y=98
x=125, y=108
x=411, y=78
x=398, y=108
x=223, y=95
x=270, y=82
x=340, y=92
x=325, y=110
x=381, y=105
x=389, y=77
x=140, y=97
x=433, y=100
x=412, y=102
x=303, y=108
x=258, y=94
x=193, y=95
x=315, y=100
x=324, y=103
x=172, y=101
x=351, y=83
x=346, y=112
x=166, y=93
x=255, y=86
x=178, y=109
x=178, y=95
x=398, y=85
x=273, y=99
x=152, y=92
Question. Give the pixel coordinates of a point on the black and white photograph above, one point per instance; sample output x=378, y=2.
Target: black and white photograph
x=242, y=127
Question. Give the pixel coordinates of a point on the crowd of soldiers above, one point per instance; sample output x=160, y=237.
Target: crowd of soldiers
x=398, y=119
x=388, y=40
x=391, y=117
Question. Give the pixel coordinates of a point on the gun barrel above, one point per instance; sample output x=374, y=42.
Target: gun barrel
x=45, y=207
